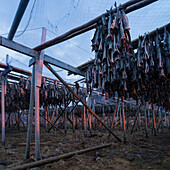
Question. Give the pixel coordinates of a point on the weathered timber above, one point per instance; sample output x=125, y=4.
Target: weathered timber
x=18, y=16
x=57, y=158
x=136, y=118
x=30, y=118
x=3, y=110
x=94, y=21
x=32, y=53
x=65, y=84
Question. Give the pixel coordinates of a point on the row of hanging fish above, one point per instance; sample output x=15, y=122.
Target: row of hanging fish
x=142, y=74
x=53, y=93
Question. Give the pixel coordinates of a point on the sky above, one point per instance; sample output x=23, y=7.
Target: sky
x=58, y=17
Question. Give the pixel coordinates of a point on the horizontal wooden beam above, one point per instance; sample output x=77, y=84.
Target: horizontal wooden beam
x=34, y=54
x=59, y=64
x=18, y=47
x=132, y=6
x=11, y=77
x=152, y=33
x=84, y=66
x=62, y=65
x=15, y=69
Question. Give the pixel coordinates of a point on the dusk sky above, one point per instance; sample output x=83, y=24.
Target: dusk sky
x=59, y=16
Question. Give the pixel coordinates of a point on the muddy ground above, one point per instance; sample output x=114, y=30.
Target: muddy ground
x=138, y=153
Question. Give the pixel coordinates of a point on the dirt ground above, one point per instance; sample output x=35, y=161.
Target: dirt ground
x=138, y=153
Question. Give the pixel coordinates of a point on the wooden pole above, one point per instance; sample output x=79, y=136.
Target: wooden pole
x=139, y=120
x=73, y=115
x=23, y=116
x=95, y=119
x=58, y=116
x=92, y=24
x=76, y=122
x=136, y=118
x=3, y=110
x=85, y=124
x=52, y=124
x=18, y=120
x=89, y=119
x=162, y=120
x=9, y=125
x=120, y=117
x=65, y=84
x=160, y=123
x=57, y=158
x=149, y=116
x=46, y=118
x=146, y=126
x=88, y=113
x=38, y=77
x=12, y=123
x=153, y=118
x=115, y=114
x=22, y=111
x=37, y=124
x=18, y=16
x=30, y=117
x=124, y=123
x=65, y=119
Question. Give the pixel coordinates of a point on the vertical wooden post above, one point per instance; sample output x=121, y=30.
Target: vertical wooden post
x=38, y=77
x=90, y=126
x=9, y=119
x=124, y=121
x=161, y=120
x=120, y=117
x=165, y=118
x=73, y=115
x=168, y=120
x=103, y=114
x=27, y=118
x=3, y=110
x=85, y=125
x=18, y=120
x=89, y=114
x=127, y=127
x=159, y=115
x=37, y=125
x=65, y=121
x=95, y=120
x=115, y=114
x=146, y=126
x=76, y=122
x=23, y=119
x=12, y=119
x=30, y=116
x=149, y=117
x=53, y=115
x=57, y=112
x=46, y=127
x=136, y=118
x=153, y=116
x=139, y=120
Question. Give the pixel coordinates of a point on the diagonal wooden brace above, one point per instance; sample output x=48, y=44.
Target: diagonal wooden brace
x=90, y=110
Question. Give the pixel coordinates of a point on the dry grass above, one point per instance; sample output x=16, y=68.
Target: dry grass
x=138, y=153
